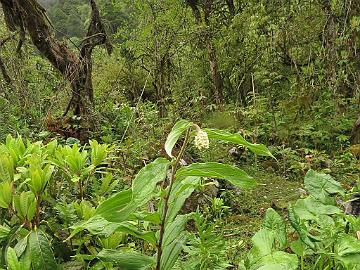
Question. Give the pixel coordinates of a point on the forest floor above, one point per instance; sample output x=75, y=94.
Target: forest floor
x=248, y=209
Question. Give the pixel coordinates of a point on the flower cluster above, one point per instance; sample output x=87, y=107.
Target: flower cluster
x=201, y=140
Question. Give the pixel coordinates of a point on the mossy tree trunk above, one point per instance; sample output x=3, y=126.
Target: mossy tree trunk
x=28, y=16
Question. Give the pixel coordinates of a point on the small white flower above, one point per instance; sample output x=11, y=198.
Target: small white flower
x=201, y=140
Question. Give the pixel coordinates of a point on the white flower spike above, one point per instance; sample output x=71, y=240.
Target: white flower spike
x=201, y=140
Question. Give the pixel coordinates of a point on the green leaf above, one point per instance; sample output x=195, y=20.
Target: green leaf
x=115, y=208
x=96, y=225
x=145, y=181
x=174, y=229
x=274, y=223
x=4, y=233
x=6, y=168
x=300, y=227
x=126, y=261
x=278, y=260
x=171, y=253
x=179, y=128
x=263, y=242
x=180, y=192
x=98, y=152
x=225, y=136
x=232, y=174
x=318, y=184
x=12, y=260
x=318, y=208
x=347, y=245
x=128, y=228
x=298, y=247
x=42, y=256
x=6, y=194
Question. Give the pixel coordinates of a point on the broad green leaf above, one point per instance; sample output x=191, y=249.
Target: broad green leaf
x=6, y=168
x=25, y=260
x=351, y=261
x=4, y=233
x=21, y=246
x=179, y=128
x=6, y=194
x=230, y=173
x=171, y=253
x=42, y=256
x=347, y=245
x=115, y=207
x=319, y=208
x=278, y=260
x=126, y=261
x=147, y=178
x=274, y=223
x=263, y=242
x=96, y=225
x=302, y=211
x=318, y=184
x=180, y=192
x=12, y=260
x=300, y=227
x=126, y=227
x=151, y=217
x=298, y=247
x=225, y=136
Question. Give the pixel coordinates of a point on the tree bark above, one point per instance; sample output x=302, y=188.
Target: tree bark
x=29, y=16
x=231, y=7
x=216, y=77
x=213, y=62
x=329, y=38
x=355, y=133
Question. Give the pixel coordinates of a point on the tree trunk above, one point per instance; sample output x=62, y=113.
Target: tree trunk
x=211, y=51
x=329, y=39
x=355, y=133
x=214, y=70
x=29, y=16
x=231, y=7
x=196, y=12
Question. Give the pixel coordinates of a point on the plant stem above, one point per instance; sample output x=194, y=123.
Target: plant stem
x=166, y=200
x=37, y=213
x=81, y=192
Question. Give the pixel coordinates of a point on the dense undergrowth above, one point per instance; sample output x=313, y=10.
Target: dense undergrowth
x=70, y=207
x=119, y=192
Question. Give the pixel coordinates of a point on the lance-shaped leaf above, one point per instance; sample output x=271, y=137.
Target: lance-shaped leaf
x=146, y=180
x=179, y=128
x=225, y=136
x=180, y=192
x=115, y=208
x=171, y=252
x=12, y=260
x=97, y=225
x=230, y=173
x=128, y=261
x=174, y=229
x=42, y=256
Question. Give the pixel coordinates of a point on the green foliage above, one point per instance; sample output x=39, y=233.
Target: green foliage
x=323, y=239
x=34, y=208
